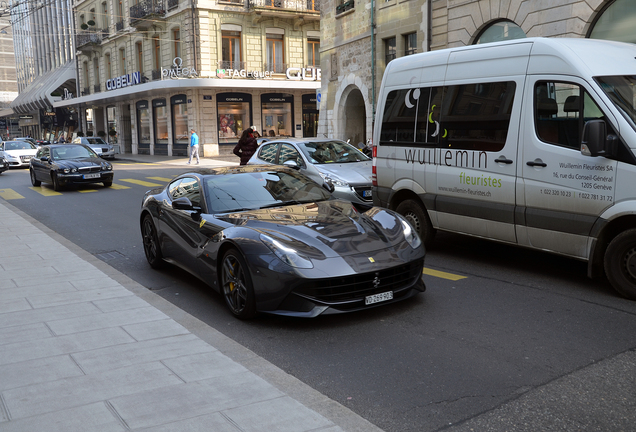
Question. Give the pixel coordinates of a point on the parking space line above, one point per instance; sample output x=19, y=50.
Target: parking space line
x=118, y=186
x=86, y=190
x=140, y=182
x=10, y=194
x=44, y=191
x=443, y=275
x=164, y=179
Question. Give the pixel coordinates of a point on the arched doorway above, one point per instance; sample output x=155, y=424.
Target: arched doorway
x=354, y=127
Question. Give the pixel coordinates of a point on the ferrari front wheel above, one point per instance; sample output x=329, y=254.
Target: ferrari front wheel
x=152, y=249
x=236, y=285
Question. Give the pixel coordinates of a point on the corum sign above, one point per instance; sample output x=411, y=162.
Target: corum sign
x=123, y=81
x=304, y=74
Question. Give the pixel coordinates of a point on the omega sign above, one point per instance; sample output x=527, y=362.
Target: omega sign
x=123, y=81
x=177, y=71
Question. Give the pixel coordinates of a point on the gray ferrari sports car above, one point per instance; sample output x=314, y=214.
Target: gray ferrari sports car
x=270, y=239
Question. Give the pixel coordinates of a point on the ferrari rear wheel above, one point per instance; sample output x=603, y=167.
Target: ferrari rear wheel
x=35, y=182
x=152, y=249
x=236, y=285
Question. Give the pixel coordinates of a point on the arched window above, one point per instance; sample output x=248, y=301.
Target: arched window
x=500, y=31
x=617, y=22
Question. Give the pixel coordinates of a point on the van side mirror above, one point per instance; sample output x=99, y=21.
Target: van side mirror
x=595, y=141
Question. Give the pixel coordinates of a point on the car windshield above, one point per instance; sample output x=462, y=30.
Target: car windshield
x=255, y=190
x=71, y=152
x=18, y=145
x=325, y=152
x=622, y=92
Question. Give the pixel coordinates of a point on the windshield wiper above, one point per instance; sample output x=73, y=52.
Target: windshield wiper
x=281, y=204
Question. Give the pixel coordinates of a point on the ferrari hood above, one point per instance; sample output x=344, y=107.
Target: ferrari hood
x=333, y=227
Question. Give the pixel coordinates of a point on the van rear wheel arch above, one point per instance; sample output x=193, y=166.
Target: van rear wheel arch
x=414, y=211
x=620, y=263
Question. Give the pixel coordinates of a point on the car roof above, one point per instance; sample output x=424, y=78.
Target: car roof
x=303, y=140
x=202, y=172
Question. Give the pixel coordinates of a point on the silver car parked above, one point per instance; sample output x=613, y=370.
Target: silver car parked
x=99, y=146
x=323, y=160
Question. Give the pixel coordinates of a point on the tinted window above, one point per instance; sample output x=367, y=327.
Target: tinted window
x=253, y=190
x=188, y=188
x=323, y=152
x=268, y=152
x=289, y=152
x=412, y=116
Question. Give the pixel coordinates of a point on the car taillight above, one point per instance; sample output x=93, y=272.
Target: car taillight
x=374, y=173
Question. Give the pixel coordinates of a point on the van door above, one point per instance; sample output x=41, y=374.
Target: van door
x=477, y=158
x=564, y=192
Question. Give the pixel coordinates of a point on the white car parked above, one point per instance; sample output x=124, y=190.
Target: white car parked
x=99, y=146
x=17, y=153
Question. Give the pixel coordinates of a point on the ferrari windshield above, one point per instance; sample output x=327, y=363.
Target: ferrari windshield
x=622, y=91
x=255, y=190
x=325, y=152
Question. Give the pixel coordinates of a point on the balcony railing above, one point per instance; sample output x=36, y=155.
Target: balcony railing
x=275, y=67
x=156, y=74
x=289, y=5
x=88, y=37
x=345, y=6
x=119, y=25
x=146, y=8
x=173, y=4
x=86, y=91
x=224, y=64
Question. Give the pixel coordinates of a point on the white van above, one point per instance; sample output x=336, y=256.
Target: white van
x=529, y=142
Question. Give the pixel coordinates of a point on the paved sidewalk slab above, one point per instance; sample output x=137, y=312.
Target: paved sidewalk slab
x=84, y=348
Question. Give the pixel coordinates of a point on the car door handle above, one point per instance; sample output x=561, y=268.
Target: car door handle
x=503, y=160
x=537, y=163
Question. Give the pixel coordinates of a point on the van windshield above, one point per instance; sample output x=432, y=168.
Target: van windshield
x=622, y=91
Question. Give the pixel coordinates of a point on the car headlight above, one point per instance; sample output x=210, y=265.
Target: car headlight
x=334, y=180
x=106, y=166
x=69, y=170
x=410, y=235
x=286, y=254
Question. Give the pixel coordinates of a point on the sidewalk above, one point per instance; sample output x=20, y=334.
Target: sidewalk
x=85, y=348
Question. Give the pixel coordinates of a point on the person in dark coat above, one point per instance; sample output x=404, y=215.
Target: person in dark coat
x=246, y=146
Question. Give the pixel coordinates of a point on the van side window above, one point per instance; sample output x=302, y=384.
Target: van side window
x=477, y=116
x=411, y=116
x=557, y=113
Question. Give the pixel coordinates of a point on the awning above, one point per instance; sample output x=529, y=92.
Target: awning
x=38, y=94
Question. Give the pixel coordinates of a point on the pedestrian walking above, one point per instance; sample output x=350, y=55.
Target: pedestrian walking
x=194, y=146
x=246, y=146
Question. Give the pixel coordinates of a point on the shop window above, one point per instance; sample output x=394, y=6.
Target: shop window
x=176, y=38
x=501, y=31
x=143, y=125
x=277, y=110
x=313, y=52
x=180, y=137
x=231, y=50
x=234, y=115
x=389, y=50
x=160, y=117
x=275, y=53
x=310, y=115
x=111, y=115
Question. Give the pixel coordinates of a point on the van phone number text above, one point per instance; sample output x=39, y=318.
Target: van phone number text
x=582, y=195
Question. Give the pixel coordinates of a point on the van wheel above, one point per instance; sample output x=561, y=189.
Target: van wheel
x=620, y=263
x=417, y=216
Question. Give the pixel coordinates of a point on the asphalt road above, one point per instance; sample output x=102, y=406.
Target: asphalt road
x=462, y=356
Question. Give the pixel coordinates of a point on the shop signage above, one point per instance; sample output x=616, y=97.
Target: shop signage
x=242, y=73
x=49, y=113
x=142, y=105
x=304, y=74
x=178, y=99
x=177, y=71
x=207, y=97
x=26, y=117
x=123, y=81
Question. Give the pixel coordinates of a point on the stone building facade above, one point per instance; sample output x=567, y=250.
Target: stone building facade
x=354, y=60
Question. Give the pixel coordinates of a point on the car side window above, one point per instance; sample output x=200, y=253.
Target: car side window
x=268, y=152
x=289, y=152
x=187, y=187
x=43, y=152
x=560, y=112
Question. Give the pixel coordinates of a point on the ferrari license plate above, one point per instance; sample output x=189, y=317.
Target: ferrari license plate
x=377, y=298
x=90, y=176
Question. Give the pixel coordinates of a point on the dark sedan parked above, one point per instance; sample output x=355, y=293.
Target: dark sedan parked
x=270, y=239
x=65, y=164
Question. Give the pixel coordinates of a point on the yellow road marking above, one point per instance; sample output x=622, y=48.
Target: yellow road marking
x=443, y=275
x=10, y=194
x=118, y=186
x=44, y=191
x=140, y=182
x=164, y=179
x=86, y=190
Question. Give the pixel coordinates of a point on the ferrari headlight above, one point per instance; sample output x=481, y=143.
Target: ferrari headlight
x=336, y=181
x=410, y=235
x=286, y=254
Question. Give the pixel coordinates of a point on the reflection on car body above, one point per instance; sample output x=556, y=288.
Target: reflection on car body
x=270, y=239
x=323, y=160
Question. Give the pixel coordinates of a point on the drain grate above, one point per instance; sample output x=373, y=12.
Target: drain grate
x=111, y=255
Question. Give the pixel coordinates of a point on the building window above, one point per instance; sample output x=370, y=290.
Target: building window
x=143, y=121
x=277, y=110
x=410, y=44
x=176, y=37
x=86, y=79
x=313, y=52
x=616, y=22
x=389, y=50
x=108, y=67
x=96, y=70
x=122, y=61
x=140, y=57
x=275, y=53
x=157, y=52
x=500, y=31
x=231, y=50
